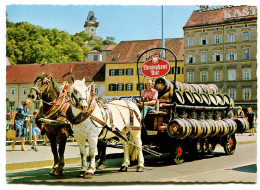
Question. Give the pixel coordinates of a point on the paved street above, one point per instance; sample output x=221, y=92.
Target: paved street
x=240, y=167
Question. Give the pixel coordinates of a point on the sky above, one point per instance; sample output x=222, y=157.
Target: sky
x=123, y=22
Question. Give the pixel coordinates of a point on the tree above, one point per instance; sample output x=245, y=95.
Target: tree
x=109, y=40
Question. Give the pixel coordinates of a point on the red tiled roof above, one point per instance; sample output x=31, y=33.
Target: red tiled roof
x=129, y=50
x=199, y=18
x=94, y=52
x=28, y=73
x=109, y=47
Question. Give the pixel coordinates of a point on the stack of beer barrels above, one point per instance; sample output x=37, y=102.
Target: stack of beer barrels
x=191, y=94
x=202, y=95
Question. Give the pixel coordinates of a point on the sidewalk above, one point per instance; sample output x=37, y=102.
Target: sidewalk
x=18, y=159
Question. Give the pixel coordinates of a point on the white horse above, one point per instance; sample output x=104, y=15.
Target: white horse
x=93, y=120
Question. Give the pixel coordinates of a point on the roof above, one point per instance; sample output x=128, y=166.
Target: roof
x=108, y=47
x=225, y=15
x=28, y=73
x=94, y=52
x=128, y=51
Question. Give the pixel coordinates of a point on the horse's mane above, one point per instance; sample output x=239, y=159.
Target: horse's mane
x=55, y=84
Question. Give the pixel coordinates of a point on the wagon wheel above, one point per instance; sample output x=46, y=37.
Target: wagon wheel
x=230, y=144
x=205, y=147
x=212, y=147
x=177, y=153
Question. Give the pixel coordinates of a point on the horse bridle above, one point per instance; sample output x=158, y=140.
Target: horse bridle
x=39, y=92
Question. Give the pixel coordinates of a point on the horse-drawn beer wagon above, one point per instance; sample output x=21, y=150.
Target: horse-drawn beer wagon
x=189, y=118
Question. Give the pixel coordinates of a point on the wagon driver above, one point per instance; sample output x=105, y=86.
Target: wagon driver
x=150, y=96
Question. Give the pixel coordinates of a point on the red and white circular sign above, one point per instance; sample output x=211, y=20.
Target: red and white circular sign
x=155, y=67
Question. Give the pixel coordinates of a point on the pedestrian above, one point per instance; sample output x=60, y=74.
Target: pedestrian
x=240, y=113
x=149, y=96
x=19, y=120
x=251, y=120
x=35, y=131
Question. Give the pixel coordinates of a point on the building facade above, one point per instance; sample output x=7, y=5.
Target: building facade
x=20, y=79
x=220, y=47
x=121, y=65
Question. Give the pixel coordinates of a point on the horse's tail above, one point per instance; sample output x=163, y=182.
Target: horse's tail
x=133, y=150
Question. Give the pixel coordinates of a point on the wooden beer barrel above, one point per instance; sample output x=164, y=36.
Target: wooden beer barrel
x=242, y=125
x=197, y=88
x=205, y=88
x=220, y=98
x=178, y=95
x=178, y=86
x=214, y=127
x=188, y=97
x=163, y=85
x=232, y=126
x=206, y=100
x=179, y=129
x=196, y=128
x=206, y=128
x=223, y=128
x=197, y=97
x=187, y=87
x=226, y=99
x=213, y=99
x=214, y=88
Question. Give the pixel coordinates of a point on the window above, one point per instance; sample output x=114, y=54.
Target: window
x=246, y=93
x=24, y=91
x=217, y=75
x=129, y=87
x=203, y=76
x=190, y=42
x=112, y=72
x=129, y=71
x=121, y=72
x=95, y=57
x=140, y=71
x=203, y=40
x=231, y=37
x=178, y=70
x=190, y=76
x=246, y=53
x=141, y=85
x=120, y=87
x=37, y=105
x=216, y=56
x=12, y=91
x=217, y=39
x=231, y=74
x=231, y=55
x=245, y=36
x=112, y=87
x=231, y=92
x=190, y=58
x=246, y=73
x=96, y=90
x=203, y=57
x=11, y=106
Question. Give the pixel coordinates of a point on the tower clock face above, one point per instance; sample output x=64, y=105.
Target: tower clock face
x=92, y=29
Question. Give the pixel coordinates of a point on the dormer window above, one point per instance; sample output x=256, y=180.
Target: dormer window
x=115, y=58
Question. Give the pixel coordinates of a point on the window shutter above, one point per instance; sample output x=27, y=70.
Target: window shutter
x=227, y=57
x=187, y=59
x=235, y=56
x=116, y=72
x=109, y=72
x=200, y=41
x=213, y=58
x=221, y=57
x=193, y=59
x=207, y=41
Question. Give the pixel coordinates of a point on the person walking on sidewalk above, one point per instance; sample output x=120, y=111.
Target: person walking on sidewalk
x=19, y=120
x=240, y=113
x=251, y=120
x=35, y=131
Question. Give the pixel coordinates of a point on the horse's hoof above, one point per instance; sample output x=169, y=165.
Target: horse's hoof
x=52, y=171
x=123, y=169
x=81, y=174
x=88, y=175
x=100, y=167
x=58, y=172
x=140, y=169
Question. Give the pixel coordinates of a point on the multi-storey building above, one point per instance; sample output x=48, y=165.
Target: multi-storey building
x=220, y=47
x=121, y=65
x=20, y=78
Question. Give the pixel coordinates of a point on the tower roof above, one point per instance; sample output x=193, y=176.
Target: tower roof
x=91, y=16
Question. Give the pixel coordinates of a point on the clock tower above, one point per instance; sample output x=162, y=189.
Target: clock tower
x=91, y=24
